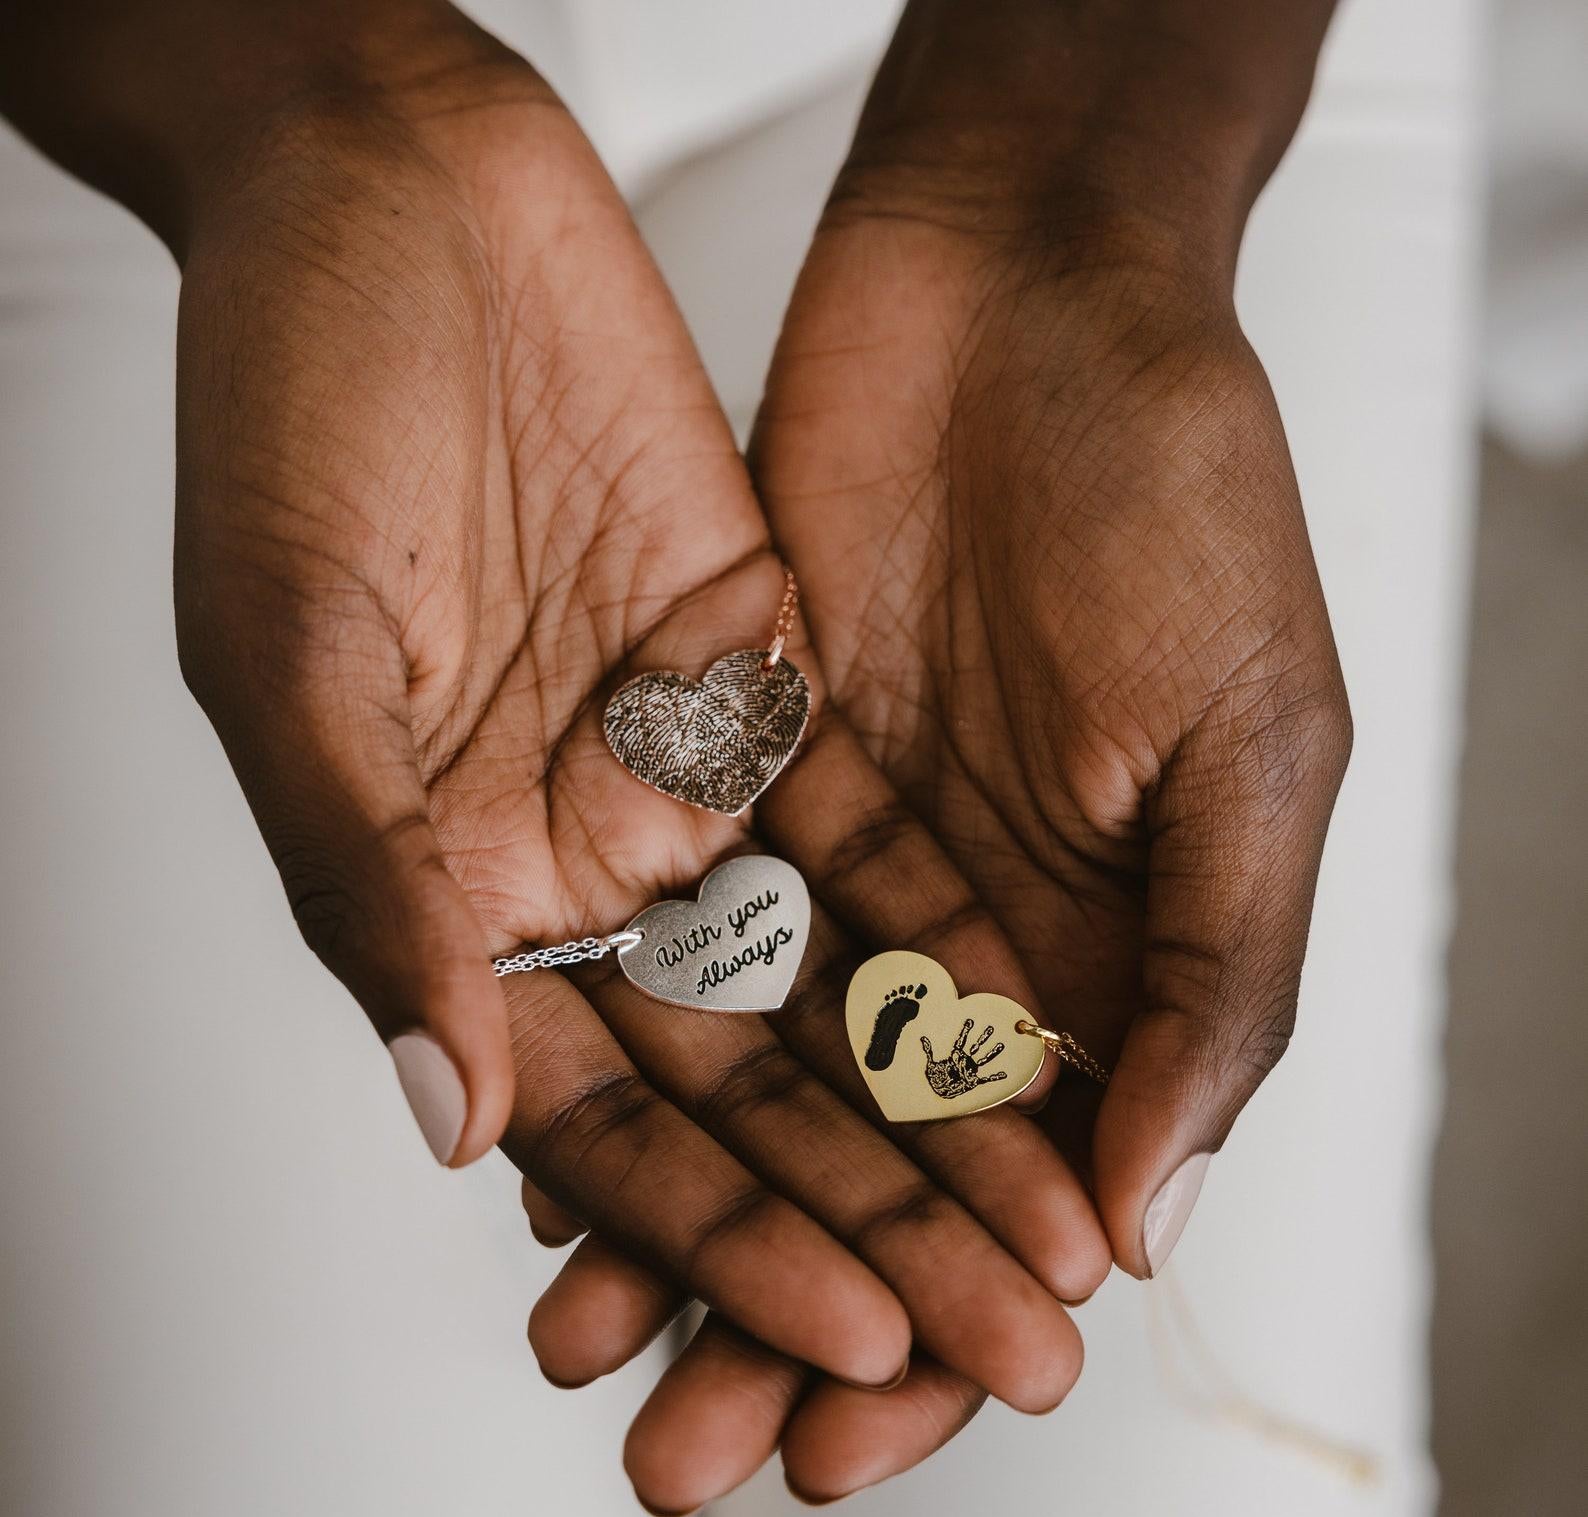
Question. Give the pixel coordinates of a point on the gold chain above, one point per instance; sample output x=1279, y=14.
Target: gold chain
x=1068, y=1050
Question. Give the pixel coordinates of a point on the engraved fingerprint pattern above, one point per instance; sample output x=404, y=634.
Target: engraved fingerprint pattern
x=717, y=742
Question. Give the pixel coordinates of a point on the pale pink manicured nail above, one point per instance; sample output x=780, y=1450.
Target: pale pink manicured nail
x=1170, y=1210
x=434, y=1089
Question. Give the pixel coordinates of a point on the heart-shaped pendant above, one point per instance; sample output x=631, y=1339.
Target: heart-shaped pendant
x=928, y=1053
x=716, y=742
x=735, y=949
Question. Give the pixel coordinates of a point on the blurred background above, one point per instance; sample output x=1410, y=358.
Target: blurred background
x=230, y=1281
x=1510, y=1214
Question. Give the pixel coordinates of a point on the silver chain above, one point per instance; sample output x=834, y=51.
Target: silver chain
x=575, y=952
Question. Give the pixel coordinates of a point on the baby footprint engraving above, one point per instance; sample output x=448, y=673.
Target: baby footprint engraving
x=902, y=1006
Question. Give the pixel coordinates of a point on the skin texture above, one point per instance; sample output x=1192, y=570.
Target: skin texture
x=1035, y=486
x=727, y=1403
x=449, y=470
x=1161, y=861
x=1069, y=600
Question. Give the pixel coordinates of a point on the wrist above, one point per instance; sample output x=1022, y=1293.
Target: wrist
x=1139, y=129
x=166, y=105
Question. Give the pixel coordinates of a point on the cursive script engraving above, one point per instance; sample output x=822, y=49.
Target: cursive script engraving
x=701, y=935
x=741, y=916
x=764, y=952
x=736, y=947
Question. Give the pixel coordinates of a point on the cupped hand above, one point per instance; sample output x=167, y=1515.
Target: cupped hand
x=728, y=1403
x=449, y=469
x=1036, y=488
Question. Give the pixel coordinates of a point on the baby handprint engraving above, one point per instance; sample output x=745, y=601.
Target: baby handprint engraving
x=960, y=1072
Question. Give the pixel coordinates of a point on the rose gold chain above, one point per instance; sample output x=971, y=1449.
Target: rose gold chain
x=784, y=623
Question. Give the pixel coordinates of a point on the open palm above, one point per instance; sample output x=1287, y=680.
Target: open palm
x=1058, y=577
x=450, y=470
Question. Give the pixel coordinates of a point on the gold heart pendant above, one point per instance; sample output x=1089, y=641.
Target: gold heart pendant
x=716, y=742
x=928, y=1053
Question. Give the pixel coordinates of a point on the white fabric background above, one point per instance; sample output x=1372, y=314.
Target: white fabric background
x=230, y=1280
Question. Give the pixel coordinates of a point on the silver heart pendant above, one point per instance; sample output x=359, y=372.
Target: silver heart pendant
x=736, y=948
x=716, y=742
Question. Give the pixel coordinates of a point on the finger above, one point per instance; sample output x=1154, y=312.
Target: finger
x=740, y=1084
x=1236, y=829
x=603, y=1310
x=552, y=1226
x=712, y=1421
x=600, y=1141
x=311, y=706
x=721, y=1409
x=840, y=1440
x=876, y=868
x=600, y=1311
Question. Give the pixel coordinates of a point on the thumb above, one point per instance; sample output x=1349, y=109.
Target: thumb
x=1237, y=828
x=320, y=738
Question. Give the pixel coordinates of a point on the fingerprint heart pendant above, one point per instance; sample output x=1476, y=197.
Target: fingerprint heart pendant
x=716, y=742
x=927, y=1052
x=736, y=948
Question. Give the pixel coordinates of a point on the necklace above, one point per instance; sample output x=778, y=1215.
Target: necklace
x=719, y=741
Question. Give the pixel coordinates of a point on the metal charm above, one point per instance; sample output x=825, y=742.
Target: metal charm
x=926, y=1052
x=717, y=742
x=737, y=948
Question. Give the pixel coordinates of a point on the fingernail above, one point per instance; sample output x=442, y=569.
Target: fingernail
x=805, y=1500
x=884, y=1385
x=1170, y=1210
x=434, y=1089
